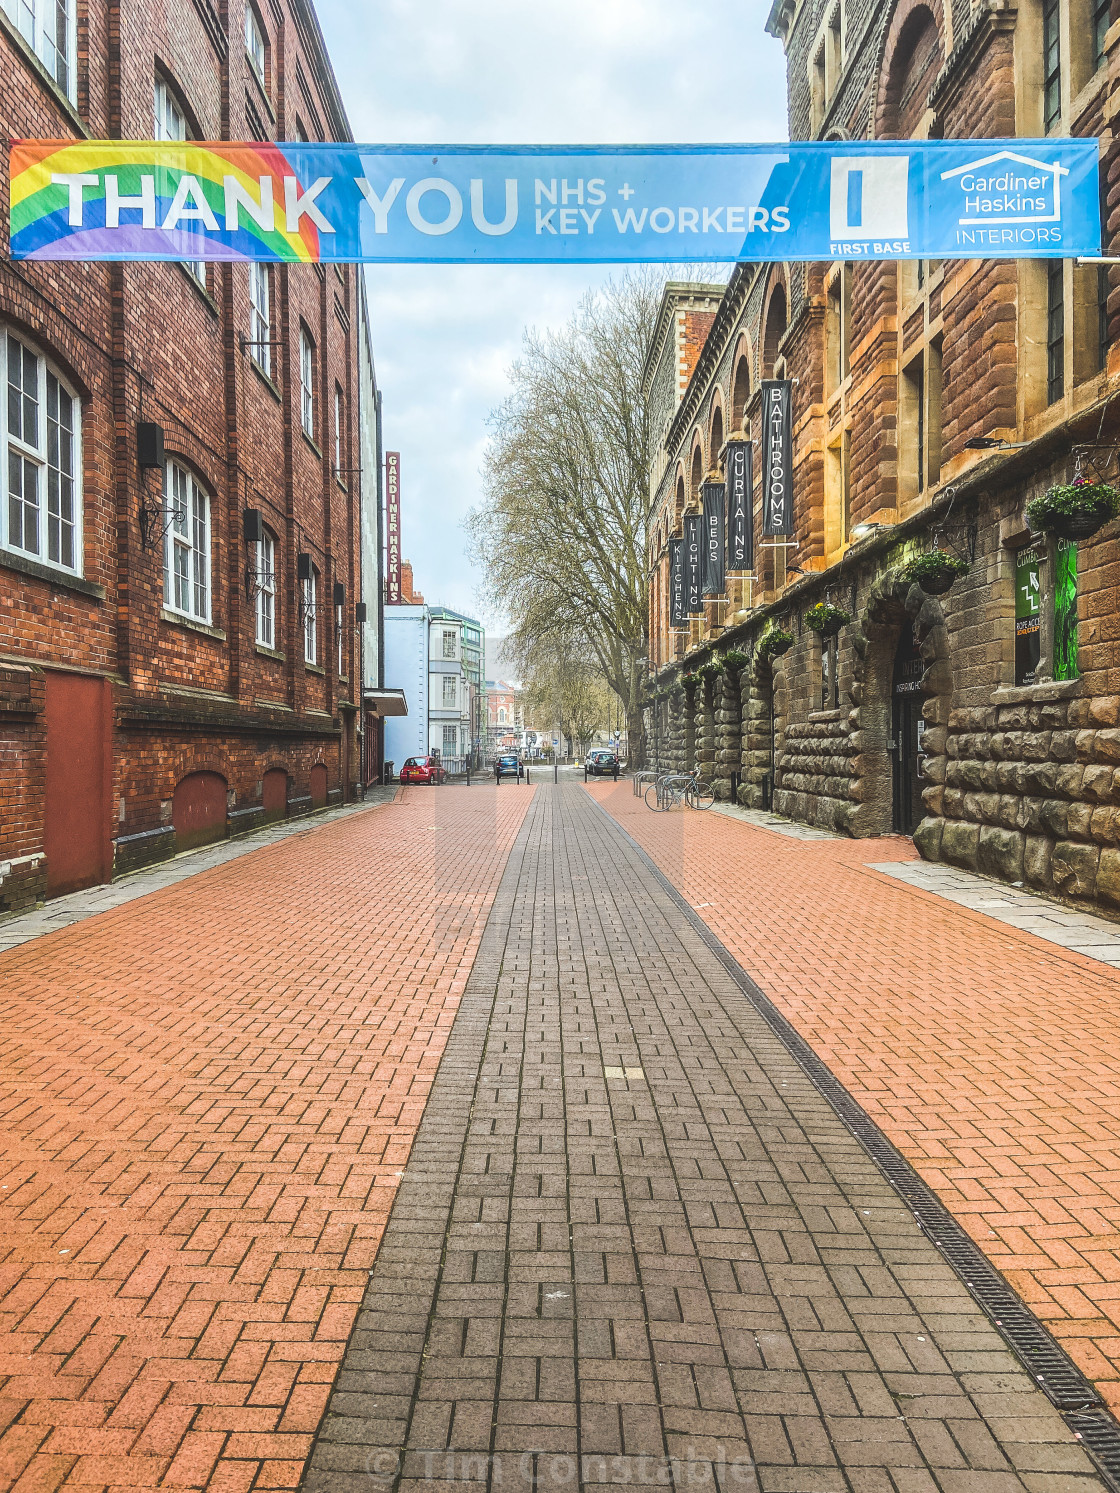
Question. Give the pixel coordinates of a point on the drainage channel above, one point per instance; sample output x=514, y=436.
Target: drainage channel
x=1047, y=1362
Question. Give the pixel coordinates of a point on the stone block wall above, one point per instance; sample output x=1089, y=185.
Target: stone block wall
x=814, y=780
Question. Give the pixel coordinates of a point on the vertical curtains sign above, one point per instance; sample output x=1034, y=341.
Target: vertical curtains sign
x=714, y=543
x=777, y=457
x=676, y=583
x=740, y=517
x=693, y=601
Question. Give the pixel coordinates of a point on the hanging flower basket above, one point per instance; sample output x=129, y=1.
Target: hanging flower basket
x=826, y=620
x=710, y=670
x=689, y=680
x=776, y=642
x=734, y=661
x=1074, y=510
x=935, y=571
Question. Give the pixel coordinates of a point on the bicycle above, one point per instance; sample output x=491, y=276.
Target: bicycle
x=675, y=788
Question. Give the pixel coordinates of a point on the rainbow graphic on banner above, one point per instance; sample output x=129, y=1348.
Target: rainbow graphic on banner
x=40, y=213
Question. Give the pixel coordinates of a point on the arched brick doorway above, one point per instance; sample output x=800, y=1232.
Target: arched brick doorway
x=198, y=810
x=319, y=786
x=274, y=794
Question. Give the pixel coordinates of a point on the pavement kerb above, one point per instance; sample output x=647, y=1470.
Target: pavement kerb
x=1062, y=1381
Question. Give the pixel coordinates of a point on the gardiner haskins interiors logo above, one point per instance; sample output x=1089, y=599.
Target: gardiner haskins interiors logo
x=1007, y=199
x=868, y=205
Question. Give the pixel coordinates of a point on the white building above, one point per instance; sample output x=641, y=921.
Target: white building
x=424, y=658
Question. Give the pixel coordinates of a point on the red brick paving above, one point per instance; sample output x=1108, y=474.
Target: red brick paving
x=206, y=1100
x=990, y=1058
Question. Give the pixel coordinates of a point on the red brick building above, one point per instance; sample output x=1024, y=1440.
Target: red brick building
x=179, y=657
x=932, y=400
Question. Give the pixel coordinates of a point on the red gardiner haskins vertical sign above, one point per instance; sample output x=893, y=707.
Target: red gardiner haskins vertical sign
x=393, y=523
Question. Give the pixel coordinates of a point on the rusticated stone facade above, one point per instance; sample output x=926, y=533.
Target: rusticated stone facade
x=928, y=714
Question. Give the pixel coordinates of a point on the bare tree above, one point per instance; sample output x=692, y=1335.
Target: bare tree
x=561, y=689
x=562, y=532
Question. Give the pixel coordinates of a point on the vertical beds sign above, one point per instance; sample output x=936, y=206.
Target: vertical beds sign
x=714, y=538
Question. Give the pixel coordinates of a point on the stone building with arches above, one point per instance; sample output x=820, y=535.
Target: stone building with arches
x=931, y=402
x=181, y=632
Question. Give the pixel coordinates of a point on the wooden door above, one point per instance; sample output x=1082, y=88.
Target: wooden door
x=76, y=835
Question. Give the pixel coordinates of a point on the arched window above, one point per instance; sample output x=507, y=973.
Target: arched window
x=40, y=444
x=310, y=617
x=186, y=544
x=307, y=383
x=256, y=48
x=172, y=124
x=697, y=473
x=912, y=68
x=776, y=321
x=740, y=392
x=266, y=590
x=49, y=29
x=715, y=444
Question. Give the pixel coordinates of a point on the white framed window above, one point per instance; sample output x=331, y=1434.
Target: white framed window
x=450, y=691
x=41, y=438
x=48, y=28
x=338, y=635
x=310, y=618
x=338, y=432
x=254, y=43
x=501, y=715
x=260, y=318
x=307, y=383
x=171, y=124
x=449, y=643
x=450, y=739
x=186, y=545
x=266, y=591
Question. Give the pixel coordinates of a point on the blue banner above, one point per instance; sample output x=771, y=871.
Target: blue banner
x=929, y=199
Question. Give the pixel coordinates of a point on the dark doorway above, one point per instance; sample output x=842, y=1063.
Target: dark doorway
x=198, y=810
x=274, y=794
x=906, y=733
x=75, y=827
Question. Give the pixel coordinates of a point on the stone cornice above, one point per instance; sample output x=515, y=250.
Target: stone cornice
x=727, y=316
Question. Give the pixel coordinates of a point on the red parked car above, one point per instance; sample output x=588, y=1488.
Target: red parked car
x=423, y=770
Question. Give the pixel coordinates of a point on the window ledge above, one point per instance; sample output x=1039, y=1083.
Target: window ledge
x=1044, y=689
x=177, y=619
x=274, y=705
x=35, y=63
x=43, y=572
x=314, y=668
x=266, y=652
x=265, y=379
x=310, y=441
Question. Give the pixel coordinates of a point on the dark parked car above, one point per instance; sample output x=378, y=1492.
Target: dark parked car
x=601, y=764
x=507, y=766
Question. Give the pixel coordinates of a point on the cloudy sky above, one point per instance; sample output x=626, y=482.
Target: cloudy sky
x=502, y=72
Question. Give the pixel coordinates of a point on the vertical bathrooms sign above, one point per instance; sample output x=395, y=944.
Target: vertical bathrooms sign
x=693, y=601
x=676, y=583
x=393, y=525
x=740, y=518
x=712, y=495
x=777, y=457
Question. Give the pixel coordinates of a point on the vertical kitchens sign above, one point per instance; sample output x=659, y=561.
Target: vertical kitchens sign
x=777, y=457
x=393, y=526
x=714, y=539
x=676, y=583
x=693, y=600
x=740, y=517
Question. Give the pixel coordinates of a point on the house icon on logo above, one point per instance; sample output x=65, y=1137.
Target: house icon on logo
x=1007, y=187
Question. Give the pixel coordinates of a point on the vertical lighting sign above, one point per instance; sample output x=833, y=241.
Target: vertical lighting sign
x=393, y=525
x=693, y=550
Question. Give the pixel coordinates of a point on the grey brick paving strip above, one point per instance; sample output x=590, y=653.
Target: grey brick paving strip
x=635, y=1245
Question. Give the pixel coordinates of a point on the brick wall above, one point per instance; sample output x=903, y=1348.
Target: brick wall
x=147, y=342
